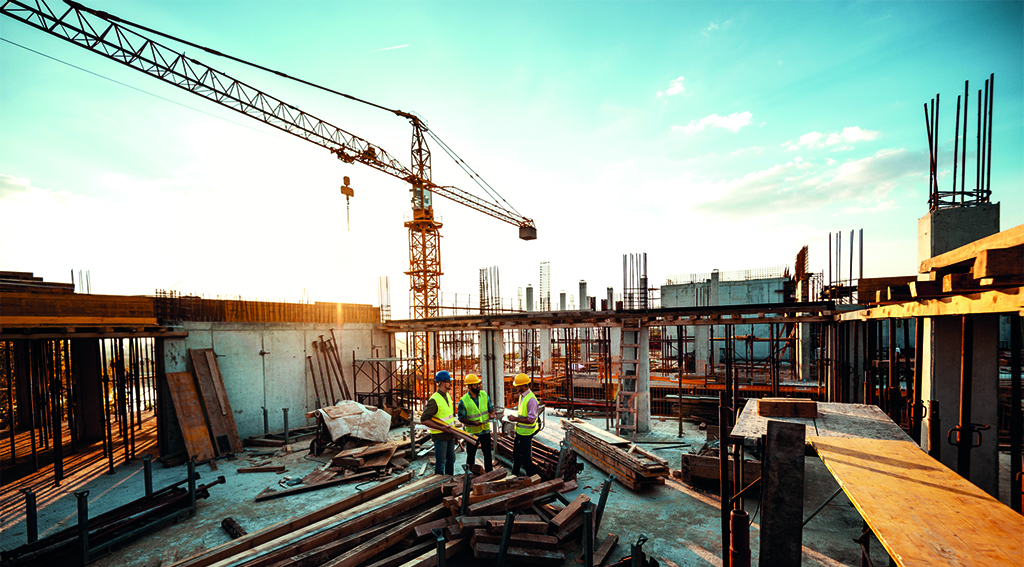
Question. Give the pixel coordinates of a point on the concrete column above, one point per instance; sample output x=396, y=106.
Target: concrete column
x=544, y=342
x=643, y=383
x=85, y=356
x=561, y=301
x=941, y=381
x=713, y=300
x=701, y=349
x=583, y=296
x=492, y=356
x=529, y=298
x=611, y=299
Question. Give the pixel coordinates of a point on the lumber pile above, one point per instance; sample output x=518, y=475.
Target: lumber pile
x=631, y=465
x=544, y=457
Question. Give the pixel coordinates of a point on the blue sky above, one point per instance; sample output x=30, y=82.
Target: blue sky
x=719, y=135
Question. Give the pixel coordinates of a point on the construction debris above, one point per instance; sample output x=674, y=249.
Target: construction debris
x=353, y=419
x=544, y=457
x=631, y=465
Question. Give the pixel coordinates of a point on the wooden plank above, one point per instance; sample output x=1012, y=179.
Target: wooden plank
x=1006, y=239
x=429, y=558
x=368, y=514
x=270, y=494
x=332, y=549
x=220, y=419
x=697, y=468
x=605, y=549
x=999, y=262
x=531, y=540
x=520, y=554
x=379, y=544
x=921, y=511
x=190, y=415
x=380, y=459
x=787, y=407
x=867, y=287
x=573, y=509
x=477, y=522
x=537, y=526
x=423, y=530
x=406, y=555
x=925, y=288
x=505, y=485
x=609, y=438
x=507, y=501
x=297, y=523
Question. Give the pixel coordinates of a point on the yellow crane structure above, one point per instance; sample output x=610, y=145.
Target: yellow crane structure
x=117, y=39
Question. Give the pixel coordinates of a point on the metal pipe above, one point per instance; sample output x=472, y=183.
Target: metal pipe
x=991, y=101
x=725, y=489
x=50, y=371
x=934, y=431
x=956, y=146
x=285, y=411
x=636, y=552
x=739, y=544
x=316, y=389
x=588, y=534
x=147, y=470
x=823, y=504
x=440, y=541
x=465, y=490
x=192, y=486
x=983, y=116
x=83, y=525
x=977, y=169
x=605, y=488
x=506, y=535
x=31, y=518
x=9, y=369
x=963, y=157
x=965, y=431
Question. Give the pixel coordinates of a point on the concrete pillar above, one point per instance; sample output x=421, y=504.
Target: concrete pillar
x=611, y=299
x=492, y=356
x=943, y=230
x=615, y=348
x=529, y=298
x=544, y=342
x=941, y=382
x=561, y=301
x=583, y=296
x=85, y=357
x=713, y=300
x=643, y=383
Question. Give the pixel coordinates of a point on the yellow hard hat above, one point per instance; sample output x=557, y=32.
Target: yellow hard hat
x=471, y=379
x=521, y=379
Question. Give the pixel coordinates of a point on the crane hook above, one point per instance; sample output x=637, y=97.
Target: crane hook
x=347, y=192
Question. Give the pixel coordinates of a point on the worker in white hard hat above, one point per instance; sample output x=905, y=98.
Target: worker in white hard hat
x=440, y=406
x=527, y=424
x=475, y=412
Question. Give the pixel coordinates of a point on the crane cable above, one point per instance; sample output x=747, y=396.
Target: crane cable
x=483, y=184
x=112, y=18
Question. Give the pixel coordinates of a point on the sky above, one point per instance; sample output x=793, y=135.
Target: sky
x=708, y=135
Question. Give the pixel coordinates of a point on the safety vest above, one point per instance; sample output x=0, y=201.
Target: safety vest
x=524, y=402
x=444, y=411
x=476, y=411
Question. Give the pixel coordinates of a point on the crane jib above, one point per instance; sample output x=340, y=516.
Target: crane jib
x=79, y=25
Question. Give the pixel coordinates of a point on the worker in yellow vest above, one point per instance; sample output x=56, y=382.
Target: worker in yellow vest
x=527, y=424
x=475, y=413
x=440, y=406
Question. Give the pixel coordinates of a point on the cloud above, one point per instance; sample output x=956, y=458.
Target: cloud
x=732, y=123
x=800, y=184
x=390, y=48
x=817, y=140
x=711, y=27
x=674, y=87
x=10, y=185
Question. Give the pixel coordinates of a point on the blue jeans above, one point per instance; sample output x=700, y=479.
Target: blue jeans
x=444, y=456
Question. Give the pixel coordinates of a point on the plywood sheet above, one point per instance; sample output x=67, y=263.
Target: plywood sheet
x=190, y=415
x=221, y=421
x=834, y=420
x=921, y=511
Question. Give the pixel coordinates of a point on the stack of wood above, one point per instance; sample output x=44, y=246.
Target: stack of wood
x=631, y=465
x=544, y=457
x=329, y=383
x=371, y=527
x=203, y=409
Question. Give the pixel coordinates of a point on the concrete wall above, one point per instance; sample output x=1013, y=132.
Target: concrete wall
x=746, y=292
x=278, y=379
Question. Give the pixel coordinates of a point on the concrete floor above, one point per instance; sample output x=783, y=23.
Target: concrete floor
x=681, y=521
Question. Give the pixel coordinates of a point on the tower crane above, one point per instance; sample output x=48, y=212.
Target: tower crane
x=104, y=34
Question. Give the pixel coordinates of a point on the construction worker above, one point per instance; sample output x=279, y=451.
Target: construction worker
x=475, y=413
x=440, y=406
x=527, y=424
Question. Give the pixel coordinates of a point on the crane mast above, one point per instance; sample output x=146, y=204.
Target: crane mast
x=100, y=33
